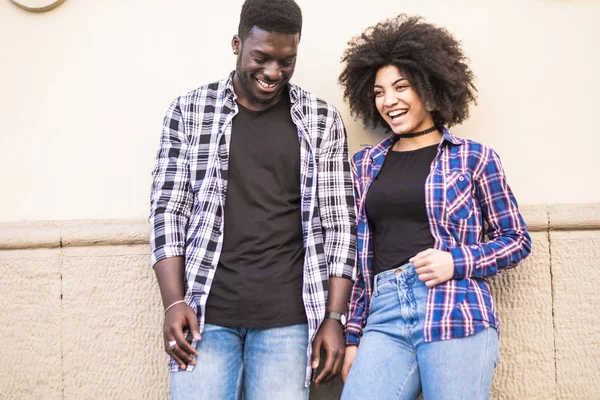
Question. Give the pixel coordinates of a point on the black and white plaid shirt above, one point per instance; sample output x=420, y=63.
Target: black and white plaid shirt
x=190, y=183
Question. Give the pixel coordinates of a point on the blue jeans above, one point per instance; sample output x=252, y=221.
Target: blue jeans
x=394, y=362
x=261, y=363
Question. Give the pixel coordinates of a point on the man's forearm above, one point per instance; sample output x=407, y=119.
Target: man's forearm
x=339, y=294
x=169, y=273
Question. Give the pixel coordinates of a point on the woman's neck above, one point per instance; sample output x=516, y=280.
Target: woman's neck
x=408, y=144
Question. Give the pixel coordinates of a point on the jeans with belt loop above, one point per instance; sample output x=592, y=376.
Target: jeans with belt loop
x=393, y=360
x=251, y=363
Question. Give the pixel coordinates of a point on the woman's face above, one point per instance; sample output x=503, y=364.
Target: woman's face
x=398, y=103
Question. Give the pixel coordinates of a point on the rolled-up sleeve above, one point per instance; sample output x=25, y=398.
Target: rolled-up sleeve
x=356, y=308
x=171, y=196
x=336, y=202
x=356, y=313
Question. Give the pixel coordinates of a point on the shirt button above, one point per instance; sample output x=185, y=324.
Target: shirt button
x=461, y=178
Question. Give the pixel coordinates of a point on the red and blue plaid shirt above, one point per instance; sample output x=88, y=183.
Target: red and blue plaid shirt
x=466, y=188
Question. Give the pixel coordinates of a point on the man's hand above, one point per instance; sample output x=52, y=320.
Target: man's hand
x=433, y=266
x=348, y=360
x=330, y=340
x=169, y=273
x=177, y=318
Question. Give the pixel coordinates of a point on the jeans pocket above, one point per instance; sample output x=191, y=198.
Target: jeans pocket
x=380, y=293
x=384, y=287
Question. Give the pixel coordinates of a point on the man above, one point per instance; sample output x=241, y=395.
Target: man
x=253, y=239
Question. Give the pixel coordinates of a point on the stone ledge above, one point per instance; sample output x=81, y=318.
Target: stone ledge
x=574, y=217
x=30, y=235
x=75, y=233
x=104, y=232
x=536, y=217
x=83, y=233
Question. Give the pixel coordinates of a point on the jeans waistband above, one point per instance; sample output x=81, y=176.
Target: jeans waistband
x=392, y=275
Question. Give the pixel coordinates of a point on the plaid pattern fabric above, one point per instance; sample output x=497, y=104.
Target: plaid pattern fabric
x=190, y=183
x=465, y=189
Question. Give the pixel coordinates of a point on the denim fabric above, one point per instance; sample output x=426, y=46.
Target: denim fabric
x=394, y=361
x=260, y=363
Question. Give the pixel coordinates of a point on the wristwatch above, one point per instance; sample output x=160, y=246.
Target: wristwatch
x=337, y=316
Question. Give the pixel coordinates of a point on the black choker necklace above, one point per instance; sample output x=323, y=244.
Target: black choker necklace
x=415, y=134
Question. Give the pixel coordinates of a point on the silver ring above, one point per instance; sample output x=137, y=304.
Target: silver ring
x=172, y=344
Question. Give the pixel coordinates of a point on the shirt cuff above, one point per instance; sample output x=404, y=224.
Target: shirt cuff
x=167, y=251
x=352, y=335
x=341, y=270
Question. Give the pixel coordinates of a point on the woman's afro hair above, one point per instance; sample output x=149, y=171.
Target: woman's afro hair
x=429, y=56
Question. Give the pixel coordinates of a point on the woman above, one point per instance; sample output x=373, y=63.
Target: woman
x=421, y=307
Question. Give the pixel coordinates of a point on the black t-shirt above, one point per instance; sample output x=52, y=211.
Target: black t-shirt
x=396, y=210
x=258, y=282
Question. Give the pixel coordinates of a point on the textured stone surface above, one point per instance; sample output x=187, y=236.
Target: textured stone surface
x=523, y=297
x=575, y=258
x=30, y=361
x=112, y=325
x=103, y=340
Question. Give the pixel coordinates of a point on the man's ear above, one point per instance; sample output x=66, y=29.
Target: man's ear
x=236, y=44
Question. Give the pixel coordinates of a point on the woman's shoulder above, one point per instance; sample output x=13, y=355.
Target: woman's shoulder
x=479, y=155
x=369, y=150
x=462, y=146
x=476, y=147
x=363, y=153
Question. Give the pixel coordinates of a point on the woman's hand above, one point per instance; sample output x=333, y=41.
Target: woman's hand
x=348, y=360
x=433, y=266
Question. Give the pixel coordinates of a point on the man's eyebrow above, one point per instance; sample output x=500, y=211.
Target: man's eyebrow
x=265, y=55
x=259, y=53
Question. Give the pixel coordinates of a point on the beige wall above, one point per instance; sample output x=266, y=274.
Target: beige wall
x=81, y=312
x=83, y=89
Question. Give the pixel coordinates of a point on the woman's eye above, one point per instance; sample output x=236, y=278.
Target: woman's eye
x=377, y=94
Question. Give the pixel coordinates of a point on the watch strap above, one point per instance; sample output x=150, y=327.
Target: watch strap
x=337, y=316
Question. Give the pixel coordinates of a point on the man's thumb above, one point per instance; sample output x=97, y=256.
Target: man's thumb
x=193, y=324
x=316, y=359
x=315, y=362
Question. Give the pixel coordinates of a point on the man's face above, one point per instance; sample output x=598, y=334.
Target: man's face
x=265, y=64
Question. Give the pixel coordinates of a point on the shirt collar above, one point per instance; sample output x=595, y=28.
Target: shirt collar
x=228, y=92
x=382, y=147
x=449, y=137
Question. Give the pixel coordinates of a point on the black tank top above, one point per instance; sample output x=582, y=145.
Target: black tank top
x=395, y=208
